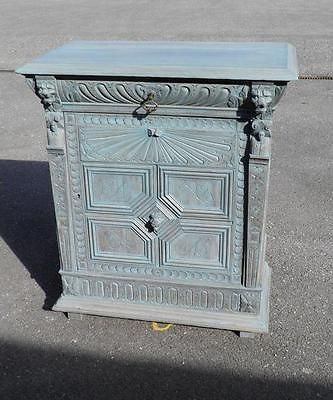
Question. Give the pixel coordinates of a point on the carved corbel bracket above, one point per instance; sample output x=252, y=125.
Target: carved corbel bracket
x=46, y=89
x=261, y=97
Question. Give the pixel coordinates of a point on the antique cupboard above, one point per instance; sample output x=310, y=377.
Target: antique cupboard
x=159, y=157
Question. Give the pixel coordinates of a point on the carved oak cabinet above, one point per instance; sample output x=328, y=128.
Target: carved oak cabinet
x=159, y=157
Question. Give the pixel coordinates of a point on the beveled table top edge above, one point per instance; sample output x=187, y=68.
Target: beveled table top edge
x=252, y=61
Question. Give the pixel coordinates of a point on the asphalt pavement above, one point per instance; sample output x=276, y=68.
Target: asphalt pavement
x=44, y=355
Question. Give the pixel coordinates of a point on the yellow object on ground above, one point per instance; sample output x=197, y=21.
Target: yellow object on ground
x=160, y=327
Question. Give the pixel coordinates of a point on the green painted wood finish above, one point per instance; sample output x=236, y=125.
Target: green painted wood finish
x=194, y=60
x=160, y=185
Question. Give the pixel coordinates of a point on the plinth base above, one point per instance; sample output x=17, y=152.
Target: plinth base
x=236, y=321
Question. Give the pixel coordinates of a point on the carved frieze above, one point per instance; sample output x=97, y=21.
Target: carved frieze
x=165, y=94
x=137, y=270
x=158, y=293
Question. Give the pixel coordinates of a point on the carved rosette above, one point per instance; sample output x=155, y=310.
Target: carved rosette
x=46, y=90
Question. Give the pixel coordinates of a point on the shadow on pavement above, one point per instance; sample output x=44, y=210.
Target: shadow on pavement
x=30, y=373
x=27, y=222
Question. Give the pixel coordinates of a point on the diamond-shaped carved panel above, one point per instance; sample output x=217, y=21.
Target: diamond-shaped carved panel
x=155, y=215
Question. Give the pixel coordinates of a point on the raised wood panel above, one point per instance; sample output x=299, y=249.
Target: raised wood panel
x=119, y=240
x=197, y=192
x=117, y=189
x=194, y=245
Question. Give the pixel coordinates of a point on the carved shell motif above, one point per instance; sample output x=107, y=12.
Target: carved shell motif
x=156, y=145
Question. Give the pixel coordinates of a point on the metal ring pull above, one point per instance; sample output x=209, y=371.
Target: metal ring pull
x=149, y=104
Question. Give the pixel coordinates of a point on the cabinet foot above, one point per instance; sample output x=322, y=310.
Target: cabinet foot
x=75, y=316
x=249, y=335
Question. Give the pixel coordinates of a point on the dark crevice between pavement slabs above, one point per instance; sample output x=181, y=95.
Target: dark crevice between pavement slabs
x=44, y=373
x=27, y=222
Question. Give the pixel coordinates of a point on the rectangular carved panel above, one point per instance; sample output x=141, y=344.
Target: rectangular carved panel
x=119, y=240
x=196, y=192
x=118, y=189
x=193, y=244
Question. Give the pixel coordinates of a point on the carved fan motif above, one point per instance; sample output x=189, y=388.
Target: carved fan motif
x=152, y=145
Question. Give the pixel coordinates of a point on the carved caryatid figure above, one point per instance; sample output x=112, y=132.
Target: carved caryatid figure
x=260, y=139
x=46, y=90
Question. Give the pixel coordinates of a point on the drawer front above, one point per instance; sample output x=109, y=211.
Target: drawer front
x=171, y=140
x=164, y=94
x=157, y=197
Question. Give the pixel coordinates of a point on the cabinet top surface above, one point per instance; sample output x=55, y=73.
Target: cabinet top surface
x=263, y=61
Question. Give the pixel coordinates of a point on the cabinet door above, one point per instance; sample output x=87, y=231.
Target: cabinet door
x=114, y=195
x=197, y=237
x=158, y=197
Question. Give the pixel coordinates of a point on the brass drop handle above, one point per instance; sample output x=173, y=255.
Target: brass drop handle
x=149, y=104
